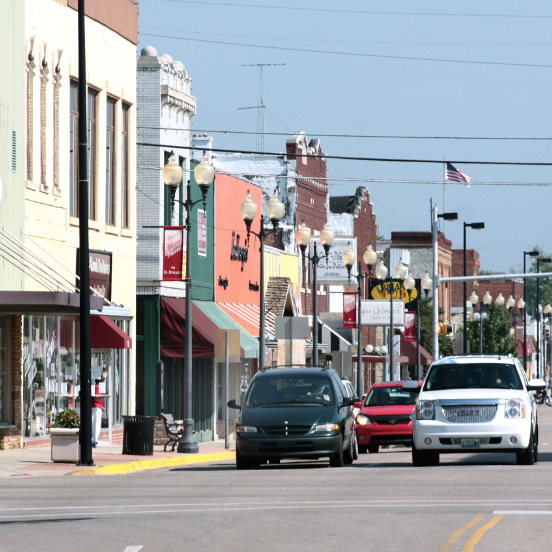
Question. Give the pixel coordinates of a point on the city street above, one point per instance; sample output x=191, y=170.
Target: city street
x=469, y=502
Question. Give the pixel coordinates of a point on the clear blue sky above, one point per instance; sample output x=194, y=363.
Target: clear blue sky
x=328, y=93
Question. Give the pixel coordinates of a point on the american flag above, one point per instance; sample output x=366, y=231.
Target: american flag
x=456, y=175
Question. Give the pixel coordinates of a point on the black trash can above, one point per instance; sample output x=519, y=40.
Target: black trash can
x=138, y=435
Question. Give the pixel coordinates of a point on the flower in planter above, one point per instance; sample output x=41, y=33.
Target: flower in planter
x=67, y=418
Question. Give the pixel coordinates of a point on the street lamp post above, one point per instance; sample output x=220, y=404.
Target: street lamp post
x=548, y=312
x=487, y=300
x=474, y=299
x=302, y=237
x=369, y=257
x=474, y=226
x=275, y=211
x=525, y=254
x=521, y=309
x=204, y=174
x=539, y=311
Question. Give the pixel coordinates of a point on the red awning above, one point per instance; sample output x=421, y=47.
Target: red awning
x=408, y=349
x=173, y=323
x=105, y=334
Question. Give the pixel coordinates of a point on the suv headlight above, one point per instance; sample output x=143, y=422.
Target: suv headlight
x=246, y=429
x=327, y=427
x=515, y=408
x=363, y=420
x=425, y=410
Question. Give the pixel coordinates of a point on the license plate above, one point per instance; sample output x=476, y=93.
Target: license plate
x=470, y=442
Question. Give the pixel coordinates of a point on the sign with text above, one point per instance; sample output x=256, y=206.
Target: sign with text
x=201, y=233
x=410, y=326
x=99, y=267
x=173, y=242
x=378, y=313
x=380, y=289
x=349, y=309
x=333, y=271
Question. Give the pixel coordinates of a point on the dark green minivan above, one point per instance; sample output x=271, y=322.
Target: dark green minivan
x=301, y=413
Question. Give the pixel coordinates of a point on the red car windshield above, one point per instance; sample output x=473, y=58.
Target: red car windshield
x=390, y=396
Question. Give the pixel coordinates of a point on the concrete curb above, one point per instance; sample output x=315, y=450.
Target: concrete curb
x=141, y=465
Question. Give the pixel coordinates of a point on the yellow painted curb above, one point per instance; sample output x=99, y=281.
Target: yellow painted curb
x=141, y=465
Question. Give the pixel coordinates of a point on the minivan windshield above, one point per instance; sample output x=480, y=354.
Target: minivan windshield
x=289, y=390
x=391, y=395
x=473, y=375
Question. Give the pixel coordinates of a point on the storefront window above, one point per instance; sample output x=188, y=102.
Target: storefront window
x=4, y=370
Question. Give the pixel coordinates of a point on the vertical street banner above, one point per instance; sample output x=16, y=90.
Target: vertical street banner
x=173, y=245
x=349, y=309
x=201, y=233
x=410, y=326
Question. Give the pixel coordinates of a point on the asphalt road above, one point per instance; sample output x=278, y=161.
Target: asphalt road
x=470, y=502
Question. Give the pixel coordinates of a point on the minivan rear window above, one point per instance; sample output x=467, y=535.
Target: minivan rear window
x=297, y=390
x=473, y=375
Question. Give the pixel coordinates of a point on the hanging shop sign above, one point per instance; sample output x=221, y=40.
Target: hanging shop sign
x=99, y=266
x=381, y=289
x=201, y=233
x=333, y=270
x=349, y=309
x=410, y=326
x=378, y=313
x=238, y=253
x=173, y=245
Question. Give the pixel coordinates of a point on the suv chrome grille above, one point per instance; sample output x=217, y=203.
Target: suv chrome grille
x=470, y=412
x=286, y=430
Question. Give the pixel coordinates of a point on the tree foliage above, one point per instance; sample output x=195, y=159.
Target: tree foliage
x=497, y=338
x=426, y=332
x=545, y=293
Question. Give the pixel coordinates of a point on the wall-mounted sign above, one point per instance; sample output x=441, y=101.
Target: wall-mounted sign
x=380, y=289
x=378, y=313
x=223, y=282
x=201, y=233
x=173, y=242
x=99, y=266
x=253, y=286
x=238, y=253
x=349, y=309
x=334, y=270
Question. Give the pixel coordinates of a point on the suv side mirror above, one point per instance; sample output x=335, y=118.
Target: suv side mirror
x=347, y=401
x=234, y=404
x=536, y=385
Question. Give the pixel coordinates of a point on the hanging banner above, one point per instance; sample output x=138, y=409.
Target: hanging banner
x=349, y=309
x=410, y=326
x=380, y=289
x=173, y=243
x=201, y=233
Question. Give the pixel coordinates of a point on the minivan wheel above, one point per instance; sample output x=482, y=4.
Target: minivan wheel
x=355, y=447
x=348, y=454
x=336, y=461
x=244, y=464
x=527, y=457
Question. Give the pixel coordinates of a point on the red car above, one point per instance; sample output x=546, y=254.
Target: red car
x=385, y=415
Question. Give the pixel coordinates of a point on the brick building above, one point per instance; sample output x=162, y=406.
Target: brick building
x=473, y=264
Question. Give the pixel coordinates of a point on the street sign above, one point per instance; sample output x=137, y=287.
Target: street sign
x=378, y=313
x=234, y=349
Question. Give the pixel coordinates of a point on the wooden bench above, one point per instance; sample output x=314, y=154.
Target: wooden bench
x=173, y=429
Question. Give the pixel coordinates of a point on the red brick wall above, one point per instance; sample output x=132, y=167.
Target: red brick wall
x=473, y=264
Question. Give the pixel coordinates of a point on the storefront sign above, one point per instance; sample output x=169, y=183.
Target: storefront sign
x=333, y=271
x=223, y=282
x=378, y=313
x=99, y=266
x=349, y=309
x=238, y=253
x=201, y=233
x=382, y=290
x=173, y=241
x=253, y=286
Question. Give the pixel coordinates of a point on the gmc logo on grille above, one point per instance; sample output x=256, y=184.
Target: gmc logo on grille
x=469, y=412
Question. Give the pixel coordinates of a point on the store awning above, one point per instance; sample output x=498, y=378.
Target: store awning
x=248, y=343
x=408, y=349
x=247, y=315
x=105, y=334
x=44, y=302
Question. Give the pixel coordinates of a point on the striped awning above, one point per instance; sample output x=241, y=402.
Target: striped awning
x=248, y=316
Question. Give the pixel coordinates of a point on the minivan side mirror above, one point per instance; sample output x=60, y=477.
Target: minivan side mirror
x=347, y=401
x=536, y=385
x=234, y=404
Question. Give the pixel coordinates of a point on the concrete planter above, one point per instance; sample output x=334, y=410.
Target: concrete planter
x=65, y=445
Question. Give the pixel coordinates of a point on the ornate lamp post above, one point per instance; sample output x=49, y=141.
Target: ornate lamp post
x=487, y=300
x=547, y=312
x=302, y=237
x=275, y=211
x=539, y=312
x=204, y=174
x=369, y=257
x=525, y=254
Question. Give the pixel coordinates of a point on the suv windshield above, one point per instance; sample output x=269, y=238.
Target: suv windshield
x=484, y=375
x=297, y=390
x=389, y=396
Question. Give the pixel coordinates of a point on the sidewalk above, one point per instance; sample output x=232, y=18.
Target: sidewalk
x=110, y=460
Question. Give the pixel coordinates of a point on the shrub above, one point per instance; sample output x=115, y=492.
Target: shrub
x=68, y=419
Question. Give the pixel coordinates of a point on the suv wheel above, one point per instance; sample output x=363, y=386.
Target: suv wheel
x=336, y=461
x=527, y=457
x=373, y=449
x=420, y=458
x=355, y=447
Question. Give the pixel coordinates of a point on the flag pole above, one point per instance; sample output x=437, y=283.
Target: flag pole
x=444, y=196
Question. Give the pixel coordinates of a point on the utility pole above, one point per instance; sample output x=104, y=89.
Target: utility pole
x=261, y=106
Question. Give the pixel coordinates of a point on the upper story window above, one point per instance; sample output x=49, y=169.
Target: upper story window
x=125, y=164
x=110, y=184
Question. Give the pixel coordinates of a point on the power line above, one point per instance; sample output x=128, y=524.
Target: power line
x=328, y=10
x=349, y=158
x=355, y=54
x=378, y=136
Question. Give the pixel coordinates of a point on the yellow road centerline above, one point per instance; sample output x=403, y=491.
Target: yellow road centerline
x=476, y=537
x=459, y=532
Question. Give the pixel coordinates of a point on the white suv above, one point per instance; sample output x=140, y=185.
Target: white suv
x=472, y=404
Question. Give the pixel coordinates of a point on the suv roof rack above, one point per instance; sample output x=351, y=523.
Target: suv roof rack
x=318, y=367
